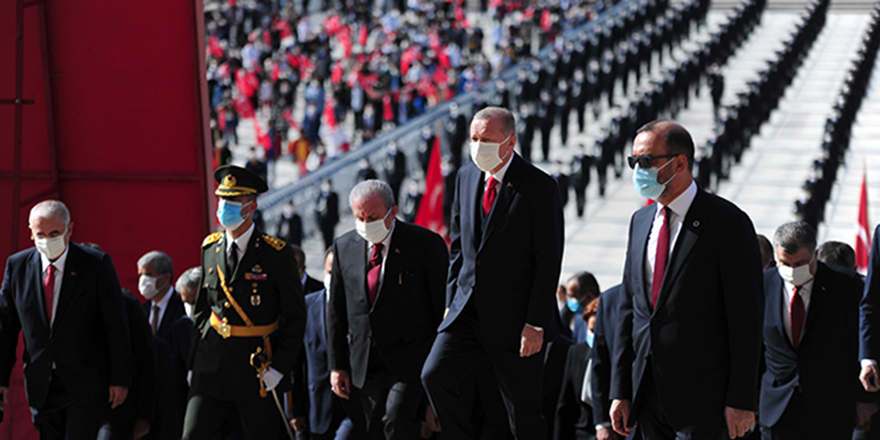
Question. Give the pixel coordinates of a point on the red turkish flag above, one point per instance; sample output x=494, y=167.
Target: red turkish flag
x=430, y=213
x=243, y=107
x=545, y=20
x=863, y=236
x=329, y=113
x=262, y=137
x=214, y=48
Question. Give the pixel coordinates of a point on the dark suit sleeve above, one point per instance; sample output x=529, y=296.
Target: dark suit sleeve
x=337, y=319
x=201, y=313
x=622, y=354
x=548, y=230
x=144, y=355
x=743, y=295
x=869, y=316
x=115, y=324
x=568, y=408
x=599, y=380
x=455, y=257
x=10, y=326
x=299, y=387
x=292, y=322
x=436, y=268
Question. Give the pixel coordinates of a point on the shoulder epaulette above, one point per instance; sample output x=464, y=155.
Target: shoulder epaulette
x=212, y=238
x=276, y=243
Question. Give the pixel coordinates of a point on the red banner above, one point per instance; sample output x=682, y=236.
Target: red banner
x=863, y=236
x=430, y=213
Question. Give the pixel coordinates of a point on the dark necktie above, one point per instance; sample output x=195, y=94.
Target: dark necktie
x=49, y=291
x=154, y=322
x=797, y=317
x=489, y=195
x=373, y=271
x=233, y=259
x=660, y=256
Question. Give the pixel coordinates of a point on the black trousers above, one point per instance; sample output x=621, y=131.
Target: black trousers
x=794, y=424
x=391, y=407
x=456, y=352
x=205, y=417
x=69, y=416
x=652, y=421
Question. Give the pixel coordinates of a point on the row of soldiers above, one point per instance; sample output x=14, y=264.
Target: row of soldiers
x=836, y=138
x=739, y=122
x=672, y=92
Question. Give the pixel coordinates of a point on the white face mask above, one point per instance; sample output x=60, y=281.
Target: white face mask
x=53, y=247
x=797, y=276
x=374, y=231
x=147, y=286
x=327, y=281
x=485, y=154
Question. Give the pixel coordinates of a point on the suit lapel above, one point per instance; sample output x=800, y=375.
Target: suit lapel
x=777, y=303
x=641, y=230
x=692, y=226
x=469, y=207
x=817, y=299
x=357, y=249
x=393, y=258
x=35, y=301
x=506, y=191
x=69, y=282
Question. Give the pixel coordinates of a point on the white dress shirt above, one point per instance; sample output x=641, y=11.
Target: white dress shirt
x=163, y=306
x=805, y=292
x=678, y=210
x=241, y=242
x=59, y=264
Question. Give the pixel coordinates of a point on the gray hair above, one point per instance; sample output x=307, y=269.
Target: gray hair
x=160, y=260
x=49, y=209
x=189, y=279
x=793, y=236
x=372, y=188
x=508, y=121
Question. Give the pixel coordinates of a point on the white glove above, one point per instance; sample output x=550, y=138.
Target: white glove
x=271, y=378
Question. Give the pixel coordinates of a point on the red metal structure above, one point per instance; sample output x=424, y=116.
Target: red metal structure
x=103, y=105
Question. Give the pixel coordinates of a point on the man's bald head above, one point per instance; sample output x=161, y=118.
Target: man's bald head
x=676, y=139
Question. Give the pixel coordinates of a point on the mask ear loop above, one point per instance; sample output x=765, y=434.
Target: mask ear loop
x=664, y=166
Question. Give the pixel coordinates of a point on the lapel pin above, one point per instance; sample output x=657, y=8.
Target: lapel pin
x=696, y=223
x=509, y=185
x=396, y=251
x=73, y=274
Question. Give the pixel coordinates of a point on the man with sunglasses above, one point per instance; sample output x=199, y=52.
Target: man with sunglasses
x=690, y=312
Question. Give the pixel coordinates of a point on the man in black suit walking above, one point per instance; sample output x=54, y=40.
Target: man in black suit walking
x=688, y=337
x=811, y=344
x=386, y=300
x=162, y=310
x=65, y=300
x=507, y=239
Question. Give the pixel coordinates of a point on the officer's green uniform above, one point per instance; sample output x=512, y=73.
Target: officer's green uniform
x=259, y=305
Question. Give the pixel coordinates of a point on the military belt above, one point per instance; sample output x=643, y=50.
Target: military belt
x=240, y=331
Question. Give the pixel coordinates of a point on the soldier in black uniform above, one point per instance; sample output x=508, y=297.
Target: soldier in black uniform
x=525, y=130
x=581, y=164
x=546, y=119
x=250, y=311
x=563, y=107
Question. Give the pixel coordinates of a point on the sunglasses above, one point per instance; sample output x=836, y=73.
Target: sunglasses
x=645, y=161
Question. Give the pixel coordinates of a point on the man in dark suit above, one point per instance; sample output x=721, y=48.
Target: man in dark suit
x=507, y=238
x=290, y=228
x=309, y=284
x=249, y=318
x=327, y=213
x=162, y=310
x=688, y=340
x=65, y=300
x=316, y=410
x=386, y=300
x=810, y=344
x=869, y=321
x=602, y=349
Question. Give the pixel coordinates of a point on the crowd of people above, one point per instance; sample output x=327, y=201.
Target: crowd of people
x=376, y=64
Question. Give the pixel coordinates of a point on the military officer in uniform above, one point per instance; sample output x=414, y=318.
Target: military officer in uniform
x=250, y=319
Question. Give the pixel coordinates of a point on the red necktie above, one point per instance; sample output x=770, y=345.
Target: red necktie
x=375, y=267
x=489, y=195
x=797, y=317
x=660, y=256
x=49, y=291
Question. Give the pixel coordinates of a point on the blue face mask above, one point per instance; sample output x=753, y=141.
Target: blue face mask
x=229, y=214
x=590, y=337
x=646, y=182
x=574, y=305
